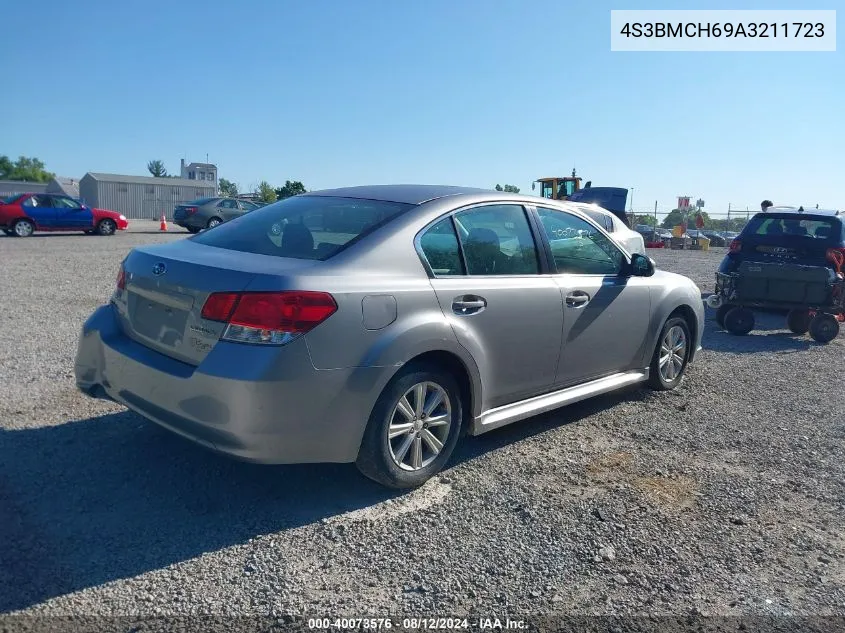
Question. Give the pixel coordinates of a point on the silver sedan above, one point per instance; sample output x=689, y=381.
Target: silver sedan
x=377, y=325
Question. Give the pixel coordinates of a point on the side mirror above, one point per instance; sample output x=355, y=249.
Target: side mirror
x=642, y=266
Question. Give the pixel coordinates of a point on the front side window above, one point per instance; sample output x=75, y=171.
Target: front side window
x=62, y=202
x=303, y=227
x=497, y=240
x=578, y=247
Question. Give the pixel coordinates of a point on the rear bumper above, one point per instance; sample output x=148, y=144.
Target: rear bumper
x=188, y=221
x=265, y=405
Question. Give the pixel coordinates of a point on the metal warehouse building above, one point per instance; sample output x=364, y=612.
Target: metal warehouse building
x=12, y=187
x=64, y=186
x=140, y=197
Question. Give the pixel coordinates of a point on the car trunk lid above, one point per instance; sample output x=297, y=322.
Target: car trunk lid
x=785, y=249
x=167, y=285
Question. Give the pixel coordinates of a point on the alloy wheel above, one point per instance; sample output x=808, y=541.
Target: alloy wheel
x=23, y=228
x=673, y=353
x=419, y=426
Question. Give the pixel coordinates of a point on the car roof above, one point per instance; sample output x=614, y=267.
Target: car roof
x=795, y=210
x=408, y=194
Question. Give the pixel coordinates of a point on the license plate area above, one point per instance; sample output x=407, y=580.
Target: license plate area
x=159, y=317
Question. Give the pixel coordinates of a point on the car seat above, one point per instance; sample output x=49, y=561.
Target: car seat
x=824, y=231
x=297, y=241
x=774, y=228
x=484, y=254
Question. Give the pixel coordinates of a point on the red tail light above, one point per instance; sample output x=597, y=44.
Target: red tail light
x=268, y=317
x=736, y=246
x=121, y=278
x=219, y=306
x=190, y=210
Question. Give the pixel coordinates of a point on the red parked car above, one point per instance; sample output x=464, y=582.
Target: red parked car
x=24, y=213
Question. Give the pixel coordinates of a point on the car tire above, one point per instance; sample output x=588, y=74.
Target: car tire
x=106, y=227
x=721, y=311
x=798, y=321
x=739, y=321
x=671, y=355
x=215, y=221
x=824, y=328
x=390, y=461
x=23, y=228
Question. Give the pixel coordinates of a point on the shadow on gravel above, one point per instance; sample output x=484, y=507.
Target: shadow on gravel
x=769, y=335
x=89, y=502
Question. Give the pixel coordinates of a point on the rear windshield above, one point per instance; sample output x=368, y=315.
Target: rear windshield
x=302, y=227
x=200, y=201
x=792, y=225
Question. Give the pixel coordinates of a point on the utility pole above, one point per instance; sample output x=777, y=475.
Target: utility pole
x=655, y=213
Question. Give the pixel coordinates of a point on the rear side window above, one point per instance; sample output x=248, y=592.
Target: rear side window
x=794, y=226
x=303, y=227
x=497, y=240
x=601, y=219
x=440, y=247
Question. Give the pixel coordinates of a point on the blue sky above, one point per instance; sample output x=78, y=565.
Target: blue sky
x=336, y=92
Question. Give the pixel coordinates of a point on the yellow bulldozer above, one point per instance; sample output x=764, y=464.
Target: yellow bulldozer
x=559, y=188
x=614, y=199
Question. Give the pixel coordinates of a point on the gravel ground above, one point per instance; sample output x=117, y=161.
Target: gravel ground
x=723, y=497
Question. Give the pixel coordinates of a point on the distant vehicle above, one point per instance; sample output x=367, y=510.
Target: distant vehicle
x=631, y=241
x=206, y=213
x=23, y=214
x=716, y=238
x=787, y=258
x=444, y=311
x=652, y=235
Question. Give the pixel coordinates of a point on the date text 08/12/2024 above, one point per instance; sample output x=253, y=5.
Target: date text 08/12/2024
x=417, y=623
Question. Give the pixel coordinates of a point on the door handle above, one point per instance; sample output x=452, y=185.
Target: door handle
x=469, y=304
x=577, y=299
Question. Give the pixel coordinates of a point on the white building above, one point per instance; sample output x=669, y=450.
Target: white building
x=205, y=172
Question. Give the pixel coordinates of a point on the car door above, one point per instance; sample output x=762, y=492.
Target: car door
x=72, y=214
x=486, y=272
x=228, y=209
x=39, y=207
x=606, y=311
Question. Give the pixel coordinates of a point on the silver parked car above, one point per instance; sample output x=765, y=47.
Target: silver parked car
x=206, y=213
x=376, y=325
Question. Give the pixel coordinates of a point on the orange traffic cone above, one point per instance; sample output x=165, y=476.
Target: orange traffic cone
x=163, y=225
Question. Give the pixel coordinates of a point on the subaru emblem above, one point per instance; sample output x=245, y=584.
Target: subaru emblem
x=159, y=269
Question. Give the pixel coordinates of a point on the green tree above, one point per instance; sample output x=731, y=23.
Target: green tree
x=290, y=188
x=24, y=169
x=265, y=192
x=156, y=168
x=227, y=188
x=676, y=217
x=648, y=220
x=508, y=188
